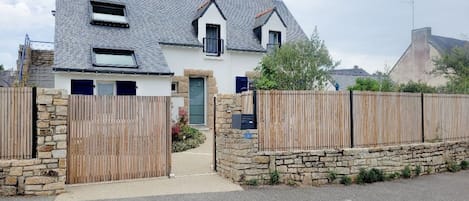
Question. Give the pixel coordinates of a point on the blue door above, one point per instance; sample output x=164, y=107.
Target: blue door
x=196, y=101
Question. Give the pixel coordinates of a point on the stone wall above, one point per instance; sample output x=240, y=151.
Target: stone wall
x=37, y=68
x=238, y=158
x=45, y=174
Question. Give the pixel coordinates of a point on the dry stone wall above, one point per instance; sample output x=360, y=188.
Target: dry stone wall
x=238, y=158
x=45, y=174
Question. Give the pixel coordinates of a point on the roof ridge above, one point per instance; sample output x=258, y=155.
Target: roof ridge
x=265, y=12
x=205, y=3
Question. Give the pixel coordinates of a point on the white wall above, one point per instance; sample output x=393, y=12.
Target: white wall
x=212, y=16
x=274, y=24
x=225, y=69
x=146, y=85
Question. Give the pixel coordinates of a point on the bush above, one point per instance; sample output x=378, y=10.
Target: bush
x=429, y=170
x=346, y=180
x=185, y=137
x=464, y=165
x=371, y=176
x=274, y=178
x=453, y=166
x=406, y=172
x=392, y=176
x=332, y=176
x=252, y=182
x=418, y=170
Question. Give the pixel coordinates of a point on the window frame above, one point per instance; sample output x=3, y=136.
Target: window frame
x=279, y=39
x=176, y=87
x=220, y=42
x=114, y=87
x=118, y=51
x=109, y=23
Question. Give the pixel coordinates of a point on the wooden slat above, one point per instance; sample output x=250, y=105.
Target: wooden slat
x=118, y=138
x=303, y=120
x=386, y=118
x=446, y=117
x=16, y=123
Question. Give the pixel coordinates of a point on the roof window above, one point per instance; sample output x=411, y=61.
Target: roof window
x=107, y=14
x=114, y=58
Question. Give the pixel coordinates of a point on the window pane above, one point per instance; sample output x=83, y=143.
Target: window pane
x=105, y=89
x=274, y=37
x=113, y=59
x=108, y=10
x=212, y=39
x=109, y=18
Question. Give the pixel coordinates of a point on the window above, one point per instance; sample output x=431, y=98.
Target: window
x=275, y=39
x=174, y=87
x=106, y=88
x=82, y=87
x=213, y=44
x=126, y=88
x=114, y=58
x=107, y=14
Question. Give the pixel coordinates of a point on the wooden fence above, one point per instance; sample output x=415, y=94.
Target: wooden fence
x=446, y=117
x=303, y=120
x=16, y=123
x=118, y=138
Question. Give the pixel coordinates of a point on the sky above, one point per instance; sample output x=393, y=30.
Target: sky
x=372, y=34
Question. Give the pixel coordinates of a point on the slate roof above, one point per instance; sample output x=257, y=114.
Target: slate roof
x=6, y=79
x=155, y=22
x=445, y=45
x=263, y=17
x=347, y=77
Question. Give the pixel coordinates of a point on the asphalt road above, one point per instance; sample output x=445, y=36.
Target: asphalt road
x=442, y=187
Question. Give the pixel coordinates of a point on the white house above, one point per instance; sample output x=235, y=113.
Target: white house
x=187, y=49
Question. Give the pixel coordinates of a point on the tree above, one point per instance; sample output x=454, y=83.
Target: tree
x=302, y=65
x=384, y=84
x=455, y=66
x=1, y=67
x=417, y=87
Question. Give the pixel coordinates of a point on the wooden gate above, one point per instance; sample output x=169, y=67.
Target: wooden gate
x=118, y=138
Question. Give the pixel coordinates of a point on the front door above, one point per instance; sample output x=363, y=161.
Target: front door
x=197, y=101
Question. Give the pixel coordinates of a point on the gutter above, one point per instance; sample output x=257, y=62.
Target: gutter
x=110, y=72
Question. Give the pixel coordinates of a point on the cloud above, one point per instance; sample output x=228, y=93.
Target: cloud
x=26, y=14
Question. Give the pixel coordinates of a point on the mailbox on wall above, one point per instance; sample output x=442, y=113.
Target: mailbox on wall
x=243, y=121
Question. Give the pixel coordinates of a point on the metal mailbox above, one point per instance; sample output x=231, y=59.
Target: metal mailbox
x=244, y=121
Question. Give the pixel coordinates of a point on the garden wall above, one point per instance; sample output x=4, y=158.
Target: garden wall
x=238, y=157
x=45, y=174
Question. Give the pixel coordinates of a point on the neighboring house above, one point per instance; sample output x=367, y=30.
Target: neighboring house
x=417, y=62
x=345, y=78
x=187, y=49
x=36, y=64
x=6, y=78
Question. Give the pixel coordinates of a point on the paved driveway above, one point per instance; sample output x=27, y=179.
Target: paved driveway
x=443, y=187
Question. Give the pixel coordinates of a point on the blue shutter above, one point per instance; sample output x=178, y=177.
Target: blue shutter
x=82, y=87
x=126, y=88
x=241, y=84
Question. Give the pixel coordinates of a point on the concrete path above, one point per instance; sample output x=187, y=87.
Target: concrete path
x=193, y=174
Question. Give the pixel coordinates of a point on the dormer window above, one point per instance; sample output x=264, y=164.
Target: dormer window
x=114, y=58
x=107, y=14
x=275, y=40
x=213, y=44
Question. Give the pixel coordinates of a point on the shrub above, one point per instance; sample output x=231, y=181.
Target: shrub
x=274, y=178
x=291, y=182
x=429, y=170
x=371, y=176
x=453, y=166
x=418, y=170
x=464, y=165
x=362, y=175
x=346, y=180
x=406, y=172
x=332, y=176
x=392, y=176
x=185, y=137
x=252, y=182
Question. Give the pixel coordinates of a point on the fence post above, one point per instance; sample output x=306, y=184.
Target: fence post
x=352, y=143
x=215, y=133
x=254, y=101
x=34, y=123
x=423, y=117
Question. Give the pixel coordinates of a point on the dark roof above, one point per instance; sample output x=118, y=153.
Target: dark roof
x=155, y=22
x=204, y=7
x=445, y=45
x=350, y=72
x=6, y=80
x=263, y=17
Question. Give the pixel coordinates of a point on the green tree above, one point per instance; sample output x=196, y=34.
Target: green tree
x=455, y=66
x=417, y=87
x=302, y=65
x=383, y=84
x=1, y=67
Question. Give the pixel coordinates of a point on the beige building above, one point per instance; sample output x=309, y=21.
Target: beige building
x=417, y=63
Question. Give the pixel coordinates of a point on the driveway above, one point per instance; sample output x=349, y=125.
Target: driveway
x=443, y=187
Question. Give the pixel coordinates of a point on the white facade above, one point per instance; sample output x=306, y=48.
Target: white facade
x=214, y=17
x=225, y=68
x=274, y=24
x=146, y=85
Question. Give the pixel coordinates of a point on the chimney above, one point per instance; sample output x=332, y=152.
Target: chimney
x=356, y=67
x=421, y=34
